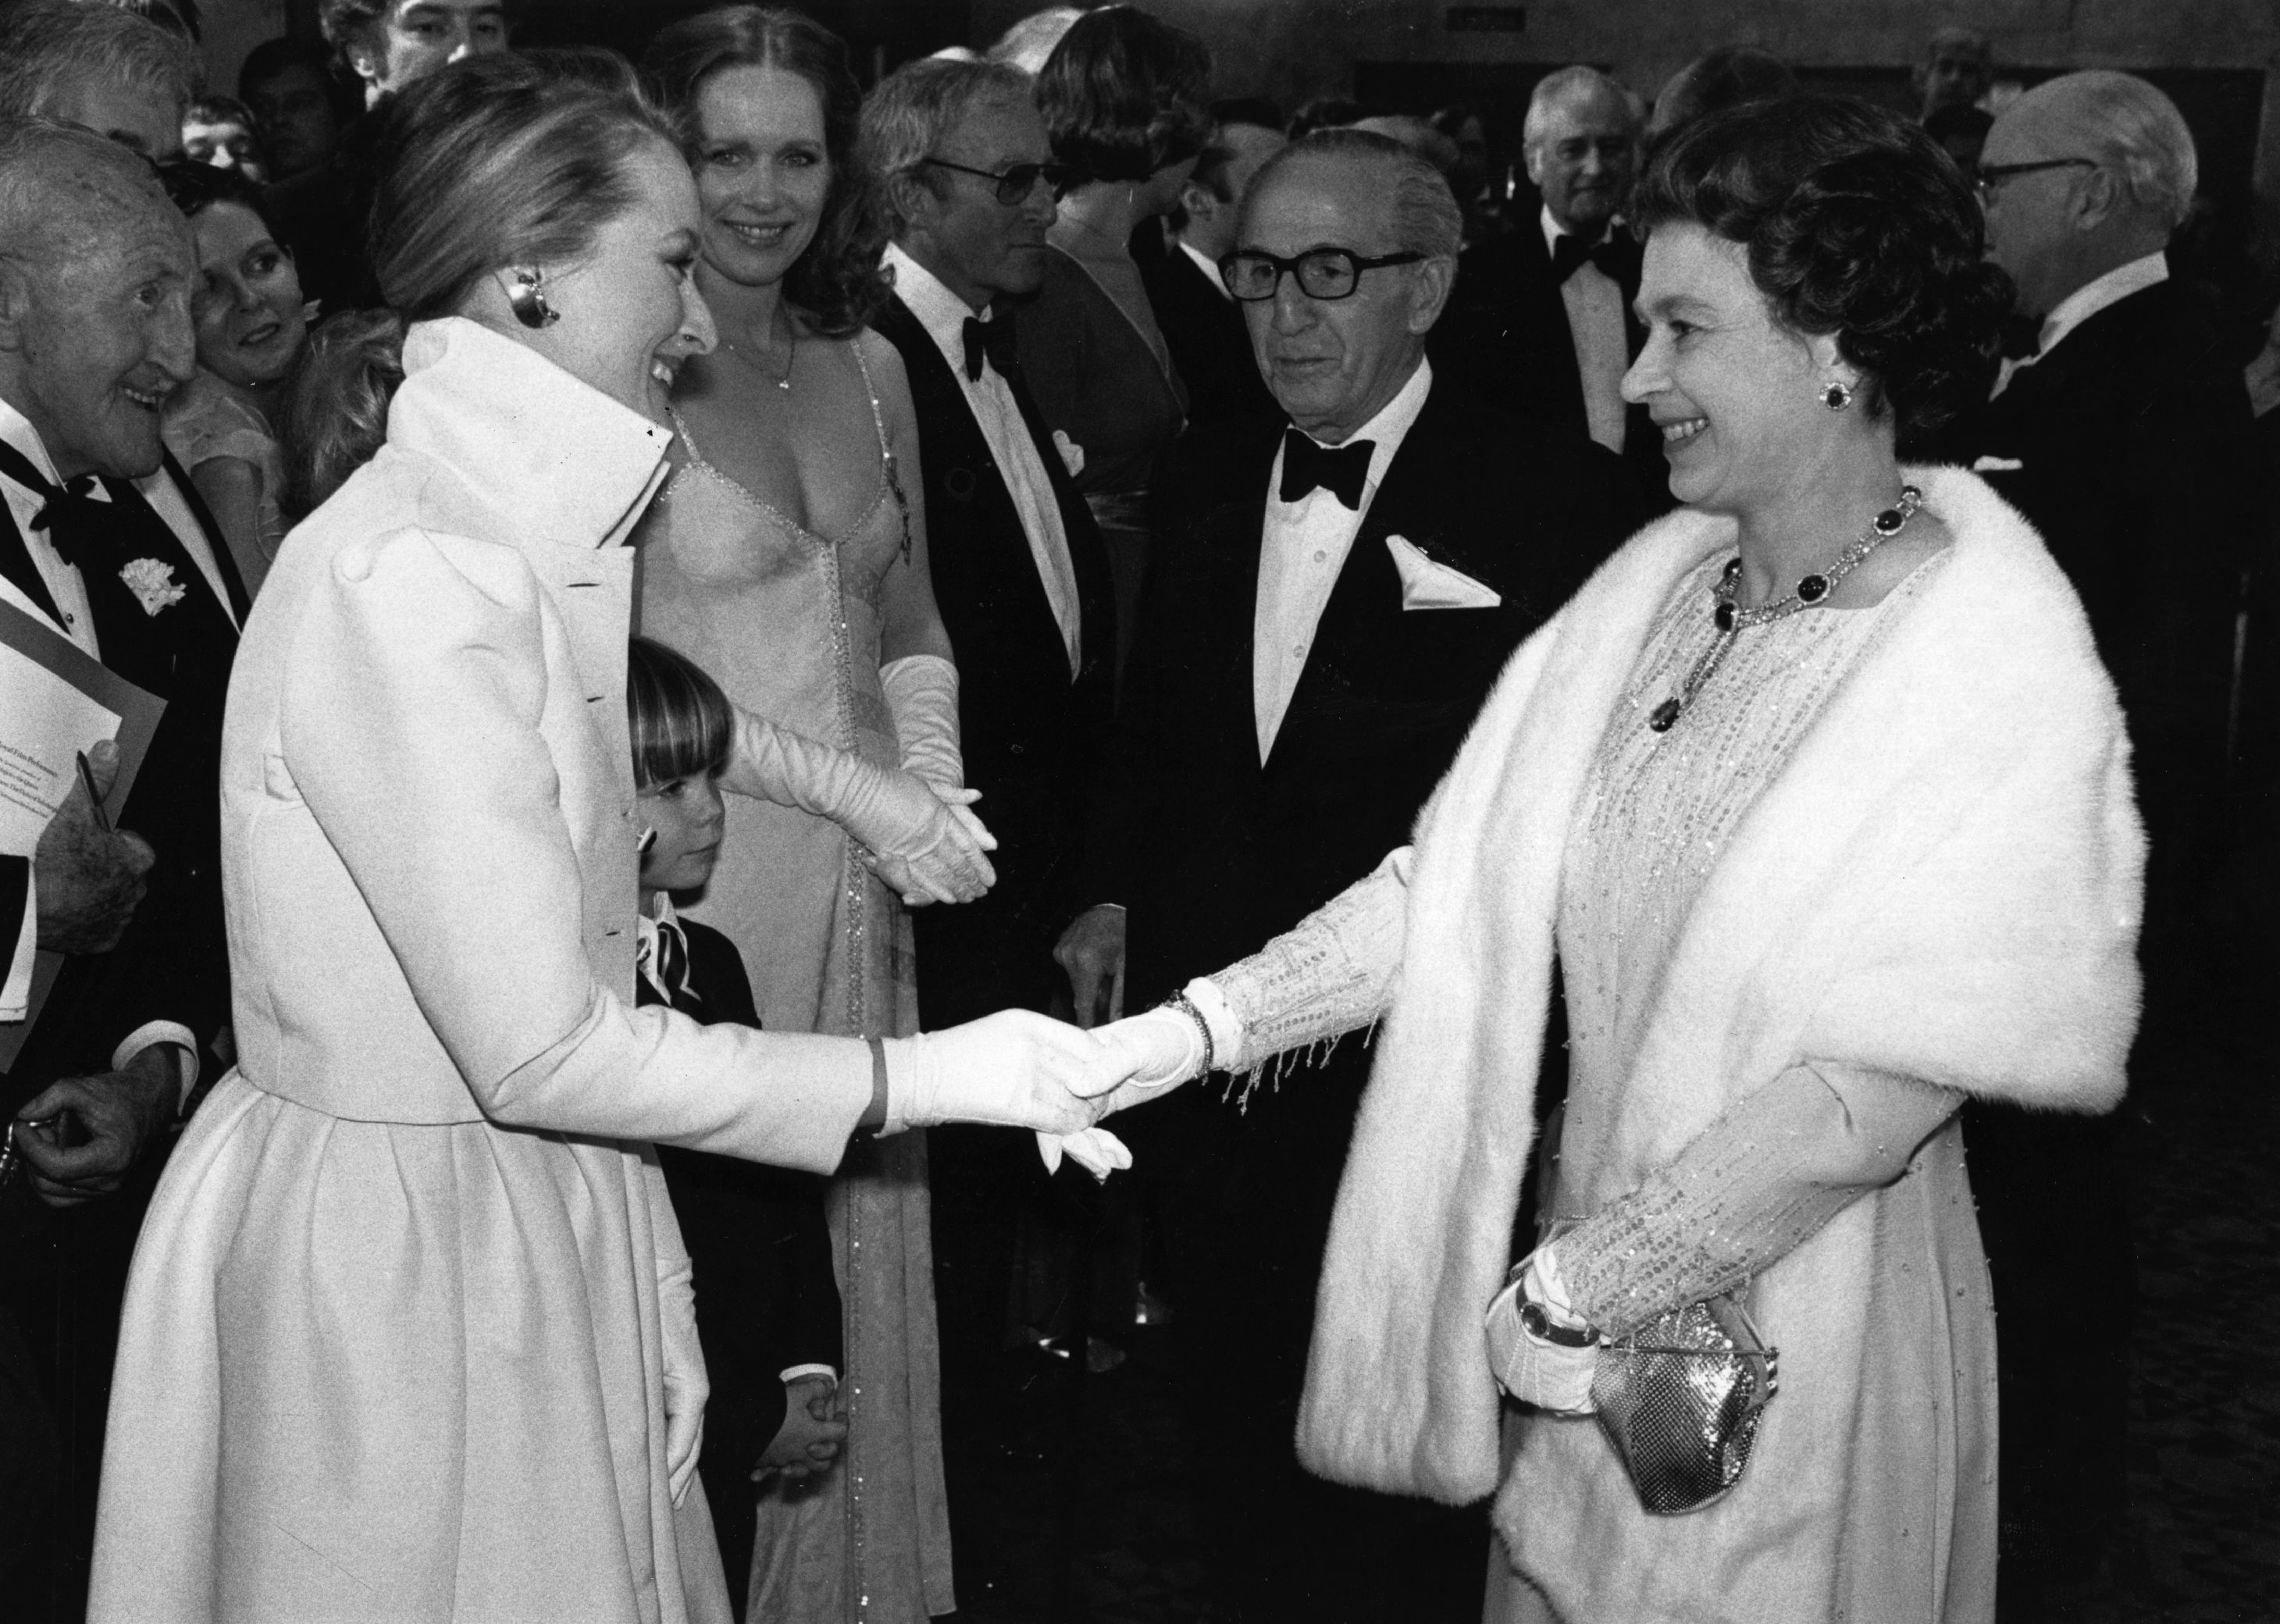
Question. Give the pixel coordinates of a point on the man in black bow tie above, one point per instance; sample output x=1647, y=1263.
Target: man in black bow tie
x=967, y=177
x=1542, y=323
x=1325, y=611
x=104, y=539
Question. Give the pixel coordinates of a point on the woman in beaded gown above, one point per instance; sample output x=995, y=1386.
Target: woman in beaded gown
x=1819, y=799
x=786, y=558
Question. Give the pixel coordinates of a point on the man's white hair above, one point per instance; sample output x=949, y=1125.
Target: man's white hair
x=1564, y=85
x=2139, y=132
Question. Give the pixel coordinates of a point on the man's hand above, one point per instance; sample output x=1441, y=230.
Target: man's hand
x=1092, y=949
x=809, y=1439
x=81, y=1135
x=88, y=879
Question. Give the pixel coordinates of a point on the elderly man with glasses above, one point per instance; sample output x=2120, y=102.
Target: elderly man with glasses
x=1332, y=598
x=2127, y=439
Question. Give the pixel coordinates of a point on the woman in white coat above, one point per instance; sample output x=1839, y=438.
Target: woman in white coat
x=409, y=1333
x=1819, y=798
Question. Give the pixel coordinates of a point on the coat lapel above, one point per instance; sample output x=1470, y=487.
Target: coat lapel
x=16, y=564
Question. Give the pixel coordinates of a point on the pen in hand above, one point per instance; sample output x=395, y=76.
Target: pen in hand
x=93, y=801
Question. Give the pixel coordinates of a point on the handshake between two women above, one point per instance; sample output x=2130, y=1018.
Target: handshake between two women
x=1017, y=1069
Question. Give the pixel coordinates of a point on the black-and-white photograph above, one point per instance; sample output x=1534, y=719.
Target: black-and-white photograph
x=1188, y=812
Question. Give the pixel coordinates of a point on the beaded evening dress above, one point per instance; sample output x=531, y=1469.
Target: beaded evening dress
x=788, y=622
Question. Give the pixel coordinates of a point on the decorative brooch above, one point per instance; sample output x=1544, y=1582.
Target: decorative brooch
x=153, y=584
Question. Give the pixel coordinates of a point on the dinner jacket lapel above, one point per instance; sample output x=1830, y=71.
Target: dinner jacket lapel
x=16, y=564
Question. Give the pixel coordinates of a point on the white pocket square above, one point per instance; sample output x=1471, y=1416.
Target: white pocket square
x=1997, y=465
x=1427, y=585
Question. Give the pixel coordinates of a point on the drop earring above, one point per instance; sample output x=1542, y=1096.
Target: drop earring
x=1836, y=397
x=528, y=304
x=648, y=839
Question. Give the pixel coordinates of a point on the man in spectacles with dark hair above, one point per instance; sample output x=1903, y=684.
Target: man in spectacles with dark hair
x=1331, y=597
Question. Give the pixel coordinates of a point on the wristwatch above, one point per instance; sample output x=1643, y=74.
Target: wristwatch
x=1538, y=1324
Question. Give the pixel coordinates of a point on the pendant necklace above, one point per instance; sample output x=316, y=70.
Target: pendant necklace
x=791, y=354
x=1731, y=618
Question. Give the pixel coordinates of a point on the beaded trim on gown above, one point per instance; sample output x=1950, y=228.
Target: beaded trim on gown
x=788, y=621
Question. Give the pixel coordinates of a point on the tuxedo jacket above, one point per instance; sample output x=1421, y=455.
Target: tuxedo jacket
x=1031, y=733
x=172, y=963
x=1210, y=345
x=1212, y=852
x=2131, y=446
x=1506, y=338
x=766, y=1296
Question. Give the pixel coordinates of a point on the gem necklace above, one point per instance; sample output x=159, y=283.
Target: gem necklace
x=791, y=354
x=1730, y=617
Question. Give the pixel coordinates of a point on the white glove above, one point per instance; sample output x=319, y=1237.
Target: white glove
x=1164, y=1047
x=920, y=843
x=1015, y=1069
x=1096, y=1149
x=1534, y=1370
x=923, y=698
x=686, y=1385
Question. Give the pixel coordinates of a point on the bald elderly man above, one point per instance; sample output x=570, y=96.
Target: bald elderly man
x=104, y=541
x=2127, y=440
x=100, y=66
x=1541, y=324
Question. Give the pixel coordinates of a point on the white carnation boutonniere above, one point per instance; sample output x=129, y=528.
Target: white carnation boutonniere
x=153, y=584
x=1072, y=453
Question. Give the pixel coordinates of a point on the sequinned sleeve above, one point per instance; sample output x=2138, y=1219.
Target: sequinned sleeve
x=1753, y=1186
x=1332, y=974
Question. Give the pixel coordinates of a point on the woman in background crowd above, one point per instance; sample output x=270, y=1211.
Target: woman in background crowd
x=788, y=557
x=252, y=327
x=1125, y=99
x=1819, y=798
x=410, y=1333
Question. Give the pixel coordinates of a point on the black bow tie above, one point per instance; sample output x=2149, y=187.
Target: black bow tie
x=1340, y=470
x=65, y=513
x=1570, y=253
x=992, y=341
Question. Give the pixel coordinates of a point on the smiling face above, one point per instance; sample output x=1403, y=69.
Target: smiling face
x=978, y=246
x=1736, y=394
x=1333, y=364
x=630, y=313
x=688, y=816
x=223, y=144
x=95, y=339
x=1583, y=159
x=763, y=171
x=419, y=36
x=247, y=301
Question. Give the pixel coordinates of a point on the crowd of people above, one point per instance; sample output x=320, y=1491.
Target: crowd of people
x=745, y=659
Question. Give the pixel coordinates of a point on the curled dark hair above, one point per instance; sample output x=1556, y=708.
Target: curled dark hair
x=499, y=160
x=1124, y=94
x=1856, y=225
x=677, y=719
x=836, y=283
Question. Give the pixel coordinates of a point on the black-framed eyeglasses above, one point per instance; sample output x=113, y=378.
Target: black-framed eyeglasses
x=1015, y=183
x=1253, y=274
x=1987, y=177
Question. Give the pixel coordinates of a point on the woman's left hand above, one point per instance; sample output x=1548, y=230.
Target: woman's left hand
x=686, y=1389
x=1543, y=1370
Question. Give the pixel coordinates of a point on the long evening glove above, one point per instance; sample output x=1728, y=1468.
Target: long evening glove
x=923, y=698
x=921, y=849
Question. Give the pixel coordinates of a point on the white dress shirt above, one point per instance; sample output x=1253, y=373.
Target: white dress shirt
x=69, y=592
x=1603, y=347
x=943, y=315
x=1302, y=548
x=2085, y=301
x=1209, y=270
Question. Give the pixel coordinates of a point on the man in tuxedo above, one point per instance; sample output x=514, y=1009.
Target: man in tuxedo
x=1021, y=579
x=2128, y=441
x=101, y=67
x=1542, y=324
x=1326, y=614
x=101, y=533
x=1201, y=323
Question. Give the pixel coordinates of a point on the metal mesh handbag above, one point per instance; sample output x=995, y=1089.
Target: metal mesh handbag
x=1681, y=1398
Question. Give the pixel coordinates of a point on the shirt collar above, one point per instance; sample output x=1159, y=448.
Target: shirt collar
x=554, y=458
x=1209, y=270
x=2095, y=295
x=16, y=430
x=1391, y=425
x=940, y=311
